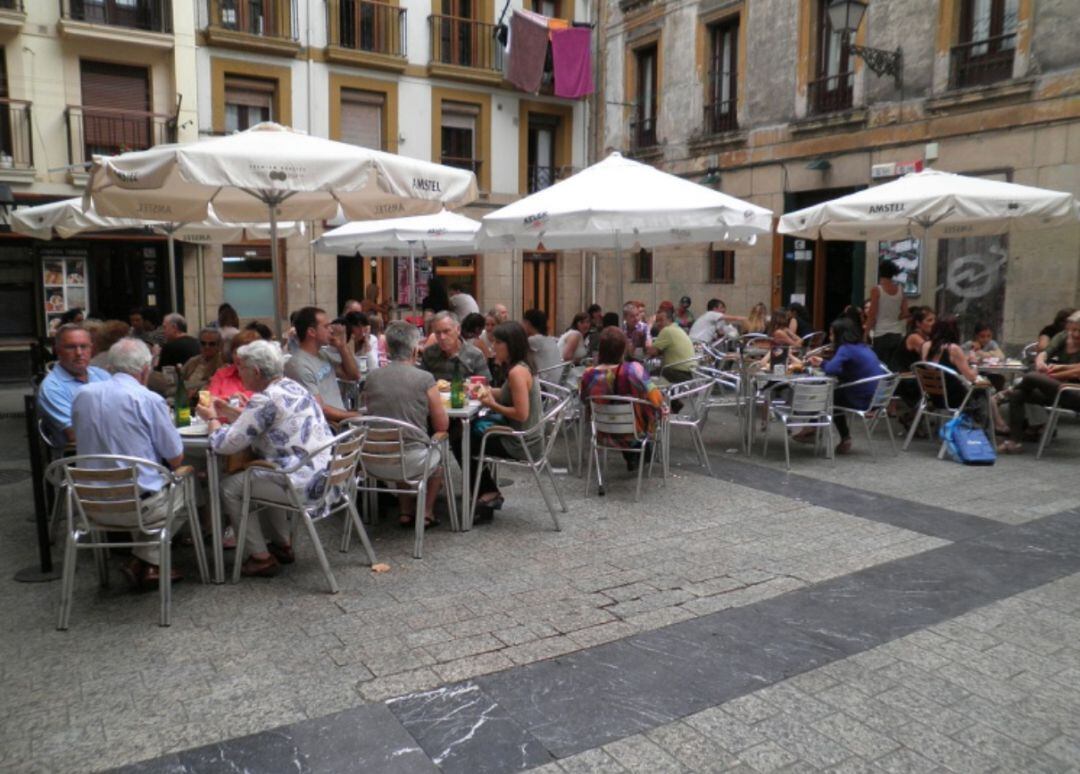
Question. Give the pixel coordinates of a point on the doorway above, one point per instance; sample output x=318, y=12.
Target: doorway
x=822, y=276
x=538, y=284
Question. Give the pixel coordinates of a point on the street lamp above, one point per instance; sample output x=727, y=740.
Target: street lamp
x=845, y=16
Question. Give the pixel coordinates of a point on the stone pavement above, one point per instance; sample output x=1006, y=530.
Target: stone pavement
x=889, y=556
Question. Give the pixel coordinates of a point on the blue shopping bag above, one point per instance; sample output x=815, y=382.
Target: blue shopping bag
x=966, y=443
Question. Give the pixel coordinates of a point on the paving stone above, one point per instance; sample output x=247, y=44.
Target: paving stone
x=855, y=736
x=809, y=745
x=941, y=749
x=596, y=761
x=639, y=754
x=749, y=709
x=472, y=666
x=729, y=732
x=693, y=750
x=767, y=757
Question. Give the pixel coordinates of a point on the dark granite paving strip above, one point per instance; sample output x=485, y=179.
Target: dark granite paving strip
x=365, y=738
x=917, y=517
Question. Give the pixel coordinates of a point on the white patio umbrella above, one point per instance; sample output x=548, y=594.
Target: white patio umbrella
x=270, y=172
x=619, y=202
x=932, y=204
x=444, y=233
x=67, y=218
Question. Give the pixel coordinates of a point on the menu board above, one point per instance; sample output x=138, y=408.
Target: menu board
x=63, y=278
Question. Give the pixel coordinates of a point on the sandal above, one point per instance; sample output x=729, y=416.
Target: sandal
x=284, y=554
x=406, y=520
x=260, y=568
x=1010, y=447
x=495, y=502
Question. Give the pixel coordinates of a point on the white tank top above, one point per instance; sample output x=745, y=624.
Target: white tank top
x=888, y=312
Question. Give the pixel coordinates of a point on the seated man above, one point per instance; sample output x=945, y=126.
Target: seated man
x=198, y=370
x=635, y=329
x=72, y=372
x=543, y=348
x=710, y=325
x=312, y=368
x=674, y=348
x=449, y=351
x=139, y=425
x=179, y=347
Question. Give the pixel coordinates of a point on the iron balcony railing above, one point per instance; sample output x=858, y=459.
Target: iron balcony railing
x=464, y=43
x=264, y=18
x=108, y=132
x=11, y=5
x=150, y=15
x=642, y=133
x=16, y=136
x=541, y=178
x=832, y=93
x=362, y=25
x=720, y=113
x=982, y=62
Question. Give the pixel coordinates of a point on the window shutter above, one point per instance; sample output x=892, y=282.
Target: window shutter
x=110, y=87
x=361, y=118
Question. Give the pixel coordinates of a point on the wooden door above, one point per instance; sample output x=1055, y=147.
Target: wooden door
x=539, y=286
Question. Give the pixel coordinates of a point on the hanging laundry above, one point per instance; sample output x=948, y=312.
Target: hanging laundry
x=528, y=49
x=571, y=55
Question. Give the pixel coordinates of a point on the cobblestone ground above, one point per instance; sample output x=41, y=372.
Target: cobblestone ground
x=995, y=687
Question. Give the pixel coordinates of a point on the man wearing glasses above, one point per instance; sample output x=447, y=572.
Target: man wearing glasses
x=198, y=370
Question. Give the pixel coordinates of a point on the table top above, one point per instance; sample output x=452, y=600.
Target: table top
x=471, y=409
x=1001, y=367
x=769, y=376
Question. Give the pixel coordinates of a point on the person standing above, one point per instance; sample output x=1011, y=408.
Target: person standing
x=887, y=315
x=544, y=350
x=461, y=302
x=139, y=424
x=72, y=372
x=313, y=368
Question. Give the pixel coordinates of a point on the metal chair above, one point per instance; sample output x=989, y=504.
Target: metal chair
x=545, y=431
x=339, y=494
x=1029, y=352
x=814, y=340
x=102, y=494
x=690, y=361
x=556, y=374
x=614, y=416
x=572, y=418
x=386, y=447
x=811, y=406
x=694, y=396
x=877, y=410
x=1054, y=412
x=934, y=399
x=350, y=392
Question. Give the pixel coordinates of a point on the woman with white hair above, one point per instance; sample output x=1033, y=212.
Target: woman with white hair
x=280, y=423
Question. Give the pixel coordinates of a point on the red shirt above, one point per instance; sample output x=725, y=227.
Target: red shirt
x=226, y=382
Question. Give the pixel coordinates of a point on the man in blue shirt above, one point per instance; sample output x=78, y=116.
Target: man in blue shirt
x=72, y=372
x=139, y=425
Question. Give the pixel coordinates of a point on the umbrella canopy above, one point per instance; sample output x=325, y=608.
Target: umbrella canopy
x=619, y=202
x=932, y=204
x=304, y=177
x=269, y=172
x=444, y=233
x=67, y=218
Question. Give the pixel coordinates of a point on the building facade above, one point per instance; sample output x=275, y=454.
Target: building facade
x=763, y=99
x=420, y=79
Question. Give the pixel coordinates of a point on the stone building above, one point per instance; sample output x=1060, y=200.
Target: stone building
x=765, y=100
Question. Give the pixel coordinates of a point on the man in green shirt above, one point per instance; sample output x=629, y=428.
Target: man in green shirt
x=675, y=349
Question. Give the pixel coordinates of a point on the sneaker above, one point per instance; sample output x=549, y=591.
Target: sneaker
x=228, y=539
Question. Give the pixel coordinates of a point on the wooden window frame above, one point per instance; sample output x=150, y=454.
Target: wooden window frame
x=726, y=274
x=482, y=101
x=389, y=90
x=221, y=68
x=640, y=258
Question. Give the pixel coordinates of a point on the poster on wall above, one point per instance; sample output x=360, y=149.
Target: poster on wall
x=423, y=272
x=905, y=253
x=63, y=280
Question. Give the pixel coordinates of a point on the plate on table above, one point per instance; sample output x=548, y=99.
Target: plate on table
x=195, y=429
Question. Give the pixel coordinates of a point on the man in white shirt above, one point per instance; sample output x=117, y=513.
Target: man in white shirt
x=461, y=303
x=708, y=327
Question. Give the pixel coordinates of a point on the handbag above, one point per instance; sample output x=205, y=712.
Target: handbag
x=966, y=443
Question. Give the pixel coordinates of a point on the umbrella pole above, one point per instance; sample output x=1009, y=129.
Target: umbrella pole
x=412, y=280
x=172, y=272
x=274, y=264
x=618, y=260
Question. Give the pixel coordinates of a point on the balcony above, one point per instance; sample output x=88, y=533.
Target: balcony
x=465, y=49
x=101, y=131
x=462, y=162
x=642, y=134
x=982, y=62
x=113, y=19
x=261, y=26
x=831, y=94
x=16, y=141
x=12, y=14
x=367, y=33
x=720, y=114
x=540, y=178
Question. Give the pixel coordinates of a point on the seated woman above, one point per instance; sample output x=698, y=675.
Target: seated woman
x=613, y=375
x=755, y=321
x=226, y=382
x=198, y=370
x=920, y=324
x=1055, y=366
x=472, y=331
x=798, y=322
x=944, y=348
x=572, y=342
x=1053, y=329
x=407, y=393
x=281, y=422
x=982, y=345
x=362, y=342
x=854, y=361
x=779, y=331
x=517, y=405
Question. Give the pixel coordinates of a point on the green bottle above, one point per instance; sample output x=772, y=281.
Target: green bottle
x=457, y=389
x=181, y=407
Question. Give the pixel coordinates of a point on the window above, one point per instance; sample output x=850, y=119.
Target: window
x=987, y=43
x=549, y=8
x=248, y=101
x=643, y=266
x=362, y=118
x=247, y=279
x=541, y=165
x=457, y=32
x=115, y=108
x=721, y=268
x=459, y=135
x=721, y=94
x=643, y=127
x=251, y=16
x=832, y=87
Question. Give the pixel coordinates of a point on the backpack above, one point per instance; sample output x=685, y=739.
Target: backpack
x=967, y=444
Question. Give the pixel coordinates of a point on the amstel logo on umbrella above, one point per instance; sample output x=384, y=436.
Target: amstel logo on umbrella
x=427, y=184
x=885, y=209
x=536, y=221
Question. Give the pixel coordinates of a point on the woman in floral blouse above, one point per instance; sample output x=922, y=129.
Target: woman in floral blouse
x=612, y=375
x=281, y=423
